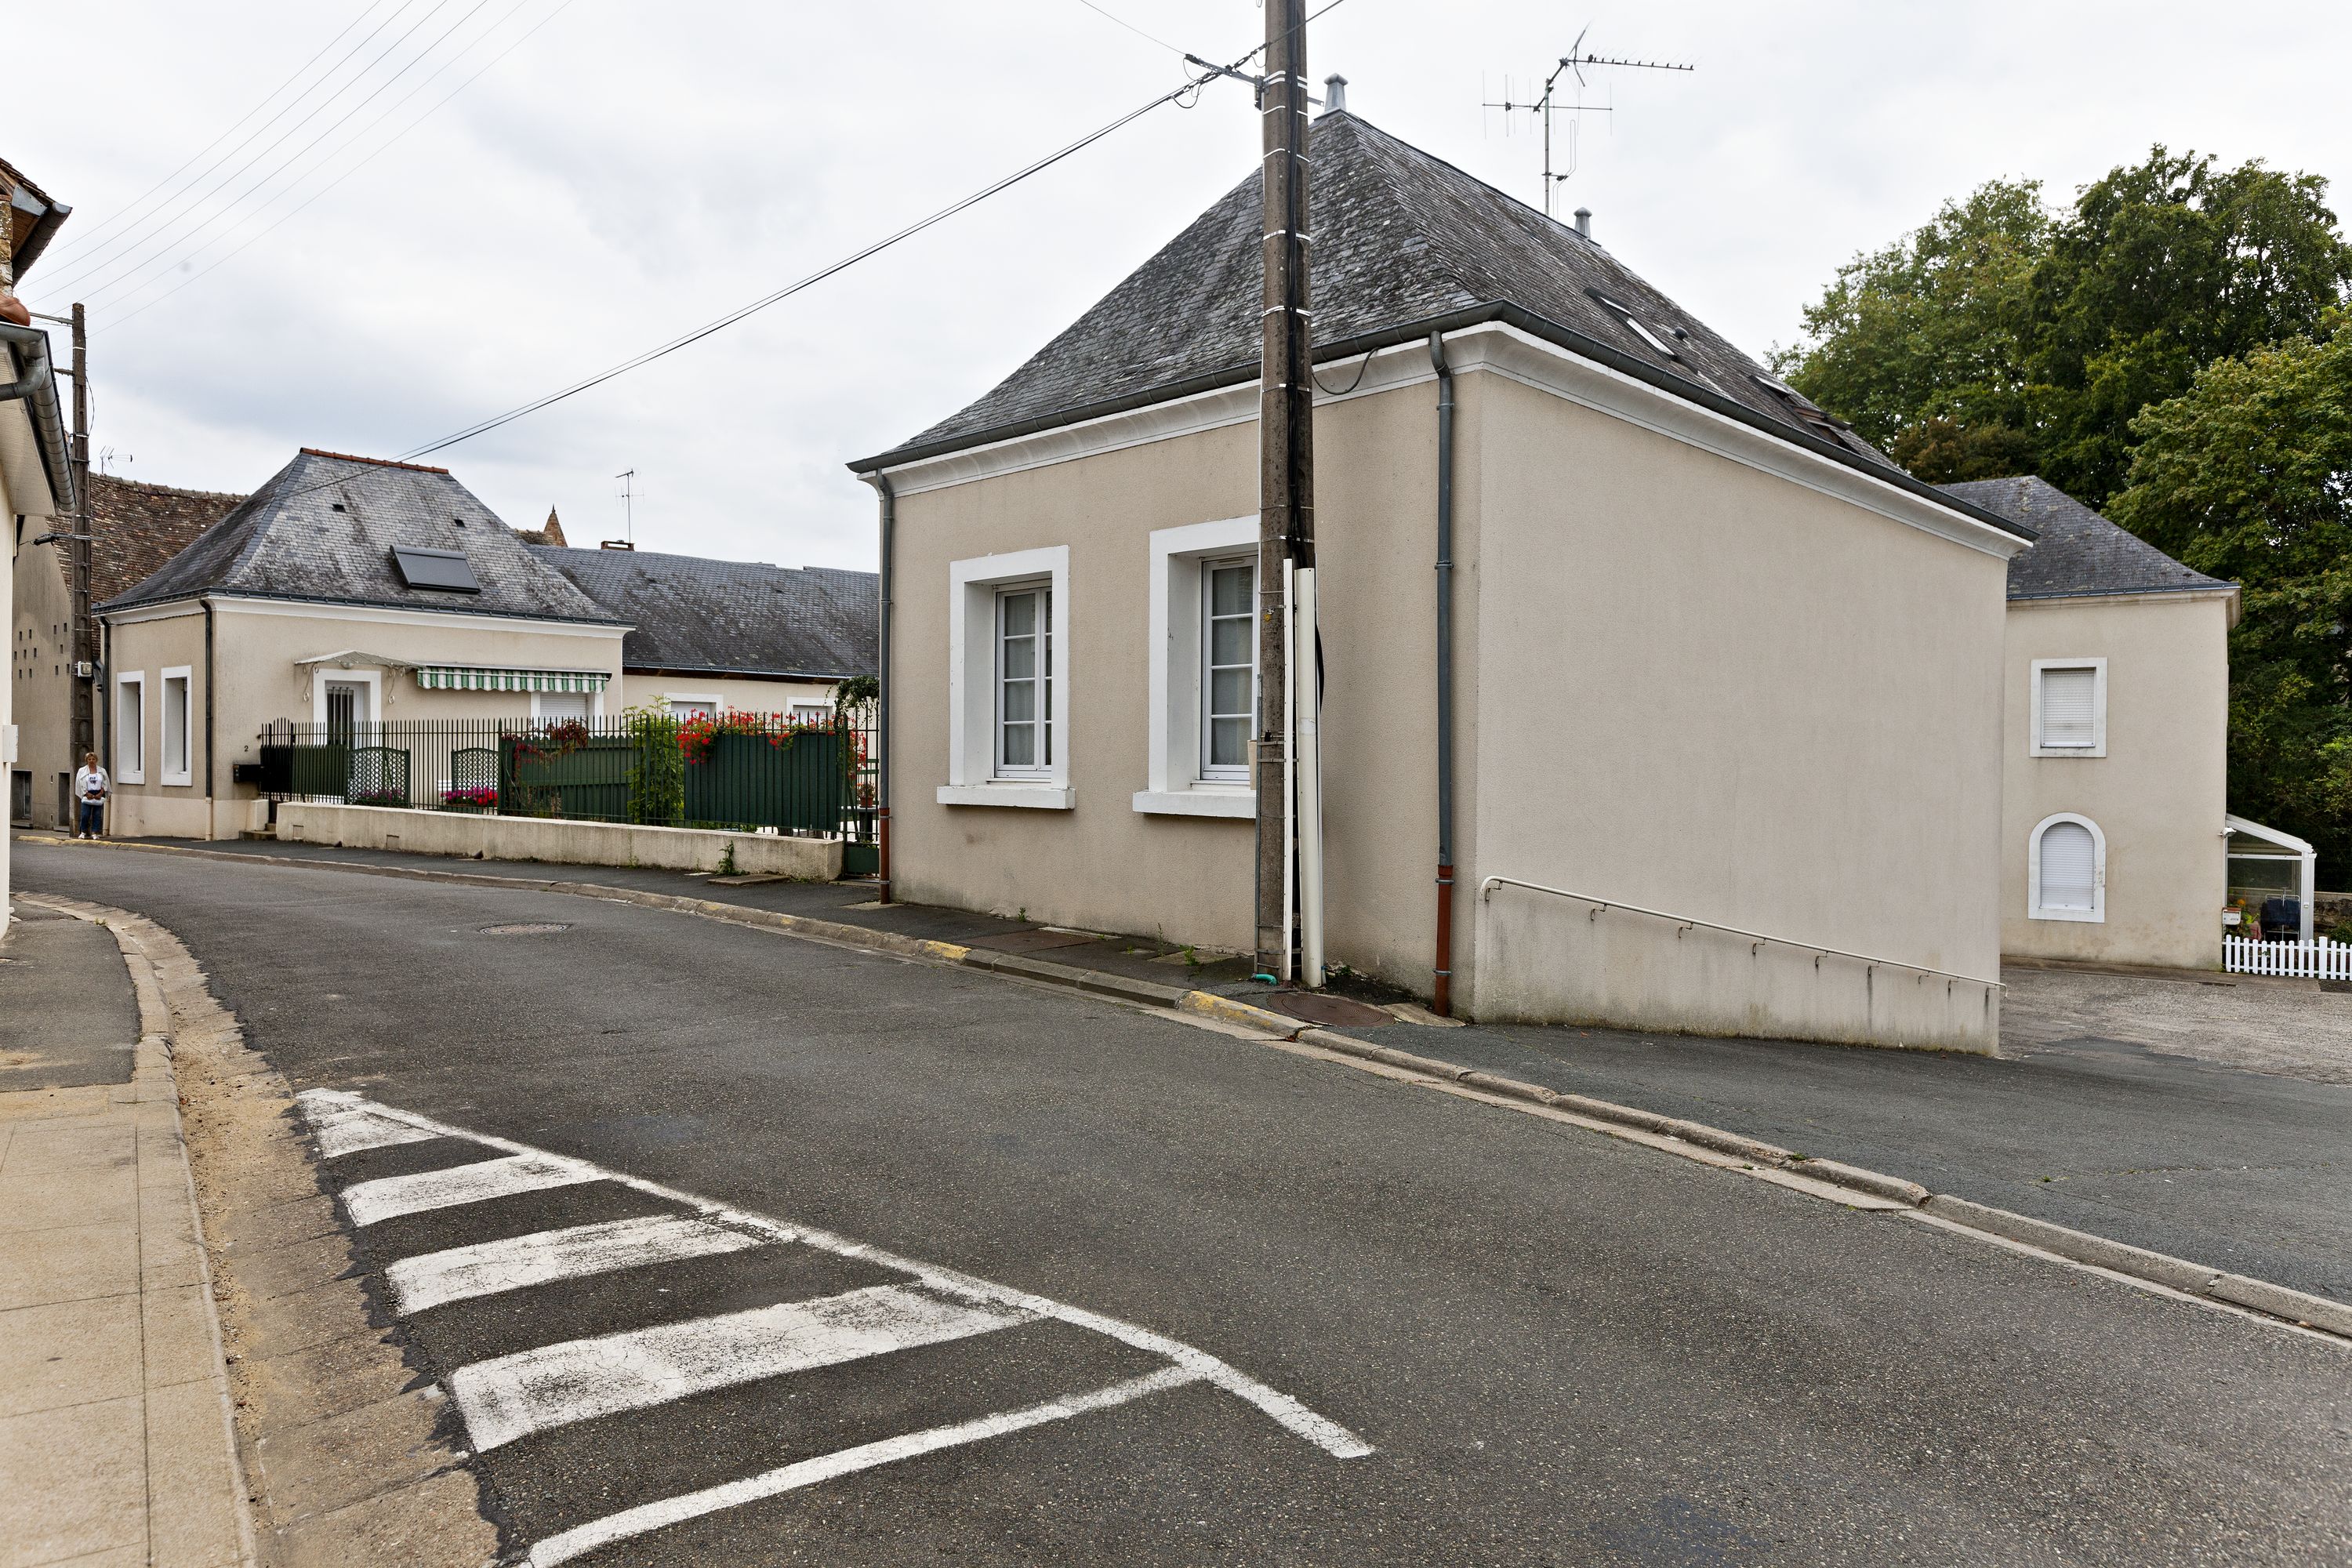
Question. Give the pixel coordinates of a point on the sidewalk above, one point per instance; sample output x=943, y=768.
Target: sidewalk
x=2175, y=1149
x=115, y=1438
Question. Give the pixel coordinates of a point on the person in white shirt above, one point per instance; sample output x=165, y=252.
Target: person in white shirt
x=90, y=787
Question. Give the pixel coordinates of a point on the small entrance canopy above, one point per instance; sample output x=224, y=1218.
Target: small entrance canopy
x=2264, y=860
x=481, y=677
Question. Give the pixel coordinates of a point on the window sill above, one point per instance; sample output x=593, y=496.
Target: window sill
x=2093, y=917
x=1206, y=800
x=2083, y=752
x=1041, y=796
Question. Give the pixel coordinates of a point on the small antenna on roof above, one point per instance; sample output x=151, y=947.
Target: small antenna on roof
x=628, y=540
x=1572, y=64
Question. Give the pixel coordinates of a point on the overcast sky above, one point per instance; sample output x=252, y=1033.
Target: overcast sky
x=629, y=172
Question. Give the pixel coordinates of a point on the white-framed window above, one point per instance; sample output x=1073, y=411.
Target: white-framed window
x=812, y=713
x=558, y=706
x=2066, y=869
x=1009, y=680
x=691, y=704
x=1228, y=668
x=131, y=727
x=1204, y=694
x=2070, y=708
x=346, y=701
x=1025, y=681
x=179, y=764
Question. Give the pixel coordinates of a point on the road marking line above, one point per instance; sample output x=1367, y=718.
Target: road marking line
x=579, y=1380
x=488, y=1268
x=1289, y=1414
x=654, y=1516
x=388, y=1197
x=347, y=1131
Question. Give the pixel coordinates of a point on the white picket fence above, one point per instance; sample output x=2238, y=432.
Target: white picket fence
x=2322, y=958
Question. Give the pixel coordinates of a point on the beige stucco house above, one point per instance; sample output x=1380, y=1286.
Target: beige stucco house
x=2116, y=700
x=35, y=476
x=1728, y=690
x=344, y=591
x=134, y=528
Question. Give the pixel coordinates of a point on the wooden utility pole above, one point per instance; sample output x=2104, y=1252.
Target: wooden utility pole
x=85, y=632
x=1285, y=444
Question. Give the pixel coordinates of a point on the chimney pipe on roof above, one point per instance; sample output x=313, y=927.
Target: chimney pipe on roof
x=1335, y=94
x=1584, y=222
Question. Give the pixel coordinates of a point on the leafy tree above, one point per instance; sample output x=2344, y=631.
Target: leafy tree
x=2248, y=475
x=2001, y=338
x=1918, y=346
x=2162, y=269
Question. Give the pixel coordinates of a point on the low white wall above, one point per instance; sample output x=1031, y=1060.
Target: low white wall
x=1549, y=959
x=555, y=840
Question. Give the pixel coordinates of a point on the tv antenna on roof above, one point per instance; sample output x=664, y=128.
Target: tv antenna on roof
x=628, y=540
x=1572, y=64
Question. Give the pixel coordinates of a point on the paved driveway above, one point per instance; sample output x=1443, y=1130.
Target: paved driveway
x=2285, y=1028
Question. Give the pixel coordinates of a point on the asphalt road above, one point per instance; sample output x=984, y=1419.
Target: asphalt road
x=1558, y=1347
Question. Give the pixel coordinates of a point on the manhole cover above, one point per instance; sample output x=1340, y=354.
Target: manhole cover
x=525, y=928
x=1315, y=1008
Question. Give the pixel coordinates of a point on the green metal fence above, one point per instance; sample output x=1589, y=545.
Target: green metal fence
x=745, y=772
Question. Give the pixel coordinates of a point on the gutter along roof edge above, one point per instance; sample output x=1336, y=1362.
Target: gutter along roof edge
x=1508, y=314
x=196, y=595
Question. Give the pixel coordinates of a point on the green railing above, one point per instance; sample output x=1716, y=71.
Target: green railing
x=746, y=772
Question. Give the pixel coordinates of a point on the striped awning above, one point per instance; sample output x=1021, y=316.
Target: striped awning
x=484, y=678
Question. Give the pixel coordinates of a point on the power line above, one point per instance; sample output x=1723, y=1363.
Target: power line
x=1130, y=27
x=89, y=237
x=94, y=266
x=563, y=5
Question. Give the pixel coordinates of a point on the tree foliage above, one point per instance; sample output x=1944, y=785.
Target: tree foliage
x=2248, y=475
x=2003, y=338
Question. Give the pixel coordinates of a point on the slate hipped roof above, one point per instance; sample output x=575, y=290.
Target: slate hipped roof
x=322, y=530
x=2079, y=553
x=694, y=616
x=1403, y=242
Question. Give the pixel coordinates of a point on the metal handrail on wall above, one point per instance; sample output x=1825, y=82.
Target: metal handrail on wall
x=1686, y=921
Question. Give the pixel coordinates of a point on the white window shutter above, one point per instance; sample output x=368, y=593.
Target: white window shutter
x=2070, y=867
x=2069, y=708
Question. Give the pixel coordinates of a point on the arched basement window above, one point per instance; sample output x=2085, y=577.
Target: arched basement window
x=2067, y=873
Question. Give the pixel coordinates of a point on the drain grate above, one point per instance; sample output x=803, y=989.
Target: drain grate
x=525, y=928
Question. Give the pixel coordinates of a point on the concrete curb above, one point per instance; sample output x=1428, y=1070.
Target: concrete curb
x=2196, y=1279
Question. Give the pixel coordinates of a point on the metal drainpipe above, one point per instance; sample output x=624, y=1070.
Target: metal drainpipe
x=881, y=483
x=212, y=822
x=1442, y=997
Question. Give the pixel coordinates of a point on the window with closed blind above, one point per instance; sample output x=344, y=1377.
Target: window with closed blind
x=2070, y=708
x=2067, y=869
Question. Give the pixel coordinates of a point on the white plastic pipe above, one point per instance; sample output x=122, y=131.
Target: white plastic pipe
x=1309, y=685
x=1289, y=775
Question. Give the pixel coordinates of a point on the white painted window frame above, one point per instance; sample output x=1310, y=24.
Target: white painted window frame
x=1173, y=785
x=2098, y=913
x=709, y=701
x=595, y=702
x=2098, y=746
x=130, y=769
x=972, y=587
x=1040, y=676
x=370, y=679
x=185, y=773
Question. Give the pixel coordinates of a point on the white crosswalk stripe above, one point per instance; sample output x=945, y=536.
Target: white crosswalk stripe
x=553, y=1385
x=389, y=1197
x=579, y=1380
x=515, y=1263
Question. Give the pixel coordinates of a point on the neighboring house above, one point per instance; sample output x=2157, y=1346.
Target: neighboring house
x=35, y=473
x=2114, y=794
x=1715, y=658
x=346, y=591
x=135, y=528
x=708, y=636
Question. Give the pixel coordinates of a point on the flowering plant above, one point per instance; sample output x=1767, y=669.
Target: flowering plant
x=698, y=734
x=474, y=795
